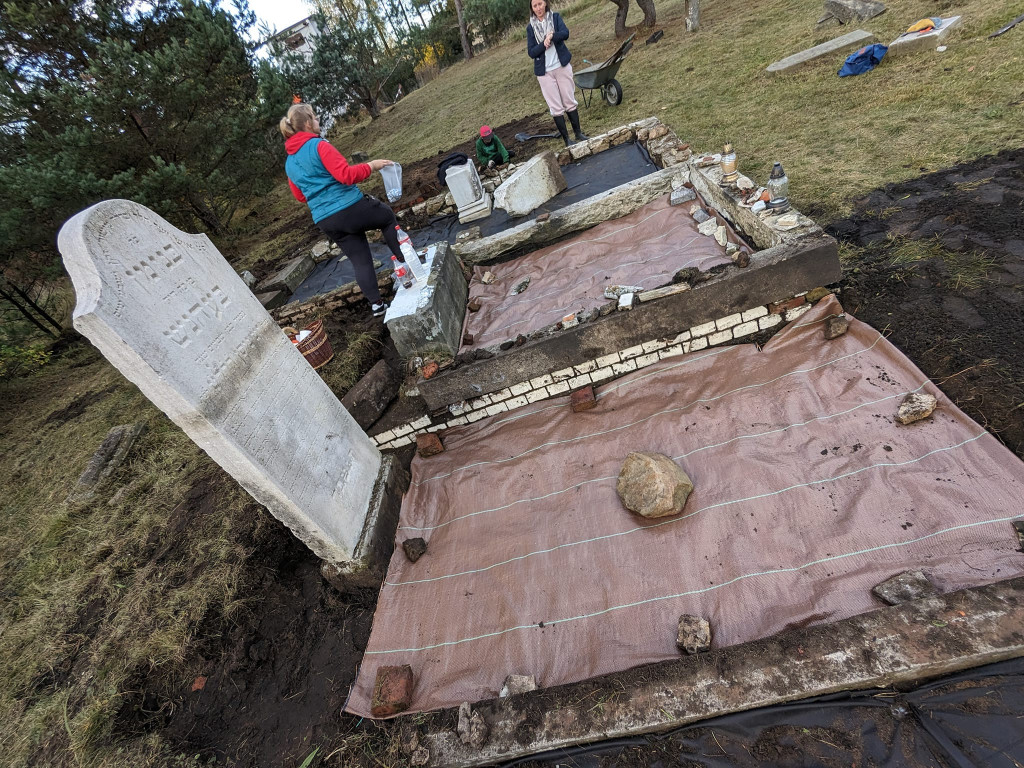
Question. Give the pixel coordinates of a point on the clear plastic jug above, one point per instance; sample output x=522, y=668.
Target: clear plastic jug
x=392, y=175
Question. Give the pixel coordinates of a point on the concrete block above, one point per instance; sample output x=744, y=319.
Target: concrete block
x=290, y=276
x=426, y=320
x=728, y=322
x=851, y=41
x=753, y=314
x=744, y=329
x=533, y=184
x=850, y=11
x=273, y=299
x=720, y=337
x=927, y=41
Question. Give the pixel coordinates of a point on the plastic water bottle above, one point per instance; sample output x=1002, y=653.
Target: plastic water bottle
x=412, y=261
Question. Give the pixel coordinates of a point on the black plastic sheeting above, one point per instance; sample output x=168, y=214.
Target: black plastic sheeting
x=972, y=719
x=589, y=177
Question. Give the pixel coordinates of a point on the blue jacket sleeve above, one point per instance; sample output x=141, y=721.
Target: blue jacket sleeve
x=561, y=31
x=533, y=48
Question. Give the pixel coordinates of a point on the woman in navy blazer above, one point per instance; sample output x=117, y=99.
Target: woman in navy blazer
x=545, y=43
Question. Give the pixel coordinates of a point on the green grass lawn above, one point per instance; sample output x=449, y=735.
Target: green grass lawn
x=836, y=137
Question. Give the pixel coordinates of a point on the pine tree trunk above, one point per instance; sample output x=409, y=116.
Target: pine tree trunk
x=620, y=17
x=467, y=49
x=204, y=213
x=650, y=15
x=25, y=297
x=28, y=315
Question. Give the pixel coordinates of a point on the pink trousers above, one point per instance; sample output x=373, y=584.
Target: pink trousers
x=558, y=89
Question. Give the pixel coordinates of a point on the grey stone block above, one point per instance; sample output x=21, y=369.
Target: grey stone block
x=929, y=41
x=433, y=327
x=848, y=42
x=850, y=11
x=290, y=276
x=273, y=299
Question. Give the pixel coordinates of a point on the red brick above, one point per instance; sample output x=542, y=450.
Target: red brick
x=582, y=399
x=430, y=369
x=392, y=691
x=429, y=445
x=779, y=307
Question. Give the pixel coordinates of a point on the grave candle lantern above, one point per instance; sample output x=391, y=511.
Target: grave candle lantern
x=728, y=165
x=778, y=188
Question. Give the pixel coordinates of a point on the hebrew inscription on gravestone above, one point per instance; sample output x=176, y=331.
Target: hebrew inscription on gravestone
x=170, y=313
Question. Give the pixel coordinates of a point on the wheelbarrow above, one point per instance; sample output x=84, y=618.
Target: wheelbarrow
x=603, y=76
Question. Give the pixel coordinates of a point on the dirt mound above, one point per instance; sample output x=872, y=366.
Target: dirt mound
x=941, y=270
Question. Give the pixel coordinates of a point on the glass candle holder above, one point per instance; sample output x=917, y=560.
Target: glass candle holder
x=728, y=164
x=778, y=188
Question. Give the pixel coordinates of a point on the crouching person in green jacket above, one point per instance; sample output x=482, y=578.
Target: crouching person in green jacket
x=489, y=149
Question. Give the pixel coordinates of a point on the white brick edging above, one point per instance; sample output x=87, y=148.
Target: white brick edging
x=600, y=369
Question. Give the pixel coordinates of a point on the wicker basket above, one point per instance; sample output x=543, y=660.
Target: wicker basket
x=315, y=347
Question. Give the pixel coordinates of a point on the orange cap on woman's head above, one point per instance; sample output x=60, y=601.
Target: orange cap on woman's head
x=486, y=130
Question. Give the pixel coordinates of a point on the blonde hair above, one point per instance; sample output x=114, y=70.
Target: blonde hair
x=300, y=117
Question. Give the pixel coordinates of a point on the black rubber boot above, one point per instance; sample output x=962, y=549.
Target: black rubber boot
x=560, y=122
x=574, y=118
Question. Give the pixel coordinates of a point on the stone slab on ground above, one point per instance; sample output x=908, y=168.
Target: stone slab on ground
x=273, y=299
x=427, y=320
x=167, y=310
x=371, y=395
x=904, y=587
x=534, y=183
x=848, y=42
x=927, y=41
x=107, y=458
x=901, y=644
x=850, y=11
x=290, y=276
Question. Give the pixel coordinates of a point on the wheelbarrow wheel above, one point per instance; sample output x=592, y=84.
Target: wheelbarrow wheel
x=612, y=93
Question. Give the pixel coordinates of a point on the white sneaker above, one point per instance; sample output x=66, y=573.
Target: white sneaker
x=380, y=309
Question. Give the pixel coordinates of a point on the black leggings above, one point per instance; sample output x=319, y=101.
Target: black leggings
x=348, y=229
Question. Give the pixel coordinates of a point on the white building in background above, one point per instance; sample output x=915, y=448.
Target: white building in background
x=300, y=37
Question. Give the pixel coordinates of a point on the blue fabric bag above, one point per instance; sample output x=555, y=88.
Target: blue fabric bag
x=864, y=60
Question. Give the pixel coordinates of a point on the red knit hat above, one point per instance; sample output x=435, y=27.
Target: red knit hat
x=486, y=130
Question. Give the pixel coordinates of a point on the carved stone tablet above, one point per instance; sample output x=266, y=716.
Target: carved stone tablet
x=169, y=312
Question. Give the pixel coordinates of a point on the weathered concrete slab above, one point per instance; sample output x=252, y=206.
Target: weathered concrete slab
x=273, y=299
x=427, y=320
x=170, y=313
x=290, y=276
x=370, y=557
x=106, y=460
x=533, y=184
x=928, y=41
x=903, y=644
x=848, y=42
x=850, y=11
x=774, y=274
x=612, y=204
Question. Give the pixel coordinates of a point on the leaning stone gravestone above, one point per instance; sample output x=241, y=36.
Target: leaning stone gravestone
x=169, y=312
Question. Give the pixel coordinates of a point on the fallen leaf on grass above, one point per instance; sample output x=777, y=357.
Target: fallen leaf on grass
x=199, y=683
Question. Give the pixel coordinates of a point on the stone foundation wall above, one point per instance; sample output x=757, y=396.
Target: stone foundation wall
x=726, y=329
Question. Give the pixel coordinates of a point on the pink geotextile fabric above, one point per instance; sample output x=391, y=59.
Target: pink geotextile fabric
x=808, y=493
x=645, y=249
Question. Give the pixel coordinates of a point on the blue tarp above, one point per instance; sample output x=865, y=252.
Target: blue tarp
x=864, y=60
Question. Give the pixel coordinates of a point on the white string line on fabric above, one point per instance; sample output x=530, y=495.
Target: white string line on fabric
x=548, y=276
x=688, y=515
x=651, y=416
x=584, y=297
x=824, y=417
x=702, y=590
x=644, y=220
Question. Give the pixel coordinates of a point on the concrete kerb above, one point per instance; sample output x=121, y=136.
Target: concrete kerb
x=904, y=644
x=373, y=552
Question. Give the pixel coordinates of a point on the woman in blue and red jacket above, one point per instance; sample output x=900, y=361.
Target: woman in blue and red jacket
x=320, y=177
